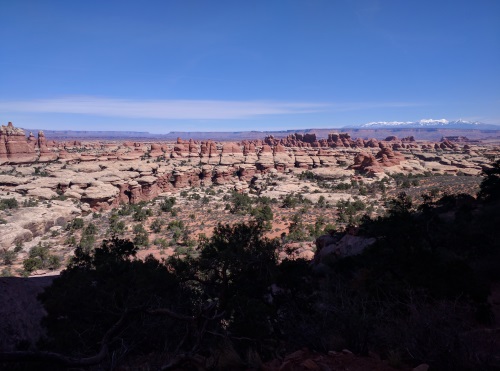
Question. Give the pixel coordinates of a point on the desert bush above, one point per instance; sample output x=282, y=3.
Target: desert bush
x=88, y=237
x=241, y=203
x=141, y=237
x=116, y=226
x=8, y=203
x=40, y=258
x=8, y=256
x=157, y=225
x=30, y=202
x=141, y=214
x=297, y=230
x=292, y=200
x=76, y=223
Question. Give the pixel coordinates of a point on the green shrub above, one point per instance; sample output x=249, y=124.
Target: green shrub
x=8, y=203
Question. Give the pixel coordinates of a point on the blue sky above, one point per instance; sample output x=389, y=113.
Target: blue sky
x=246, y=65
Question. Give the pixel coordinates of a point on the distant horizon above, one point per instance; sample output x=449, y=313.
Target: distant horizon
x=312, y=128
x=249, y=66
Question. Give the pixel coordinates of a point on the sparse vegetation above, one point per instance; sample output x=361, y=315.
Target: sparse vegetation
x=40, y=258
x=8, y=203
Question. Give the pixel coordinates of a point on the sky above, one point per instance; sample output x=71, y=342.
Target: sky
x=193, y=65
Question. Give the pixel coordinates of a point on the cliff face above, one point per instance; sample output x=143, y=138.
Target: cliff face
x=15, y=147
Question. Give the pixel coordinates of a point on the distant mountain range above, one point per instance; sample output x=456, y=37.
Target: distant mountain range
x=424, y=129
x=426, y=123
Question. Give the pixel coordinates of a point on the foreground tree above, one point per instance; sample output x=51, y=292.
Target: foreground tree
x=235, y=270
x=490, y=186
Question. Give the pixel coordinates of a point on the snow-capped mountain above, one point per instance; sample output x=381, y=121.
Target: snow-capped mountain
x=428, y=123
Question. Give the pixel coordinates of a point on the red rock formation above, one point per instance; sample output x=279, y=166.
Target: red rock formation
x=231, y=148
x=46, y=155
x=180, y=150
x=246, y=172
x=32, y=140
x=193, y=148
x=223, y=175
x=340, y=140
x=266, y=148
x=367, y=163
x=387, y=157
x=279, y=148
x=186, y=177
x=209, y=148
x=14, y=147
x=248, y=148
x=156, y=150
